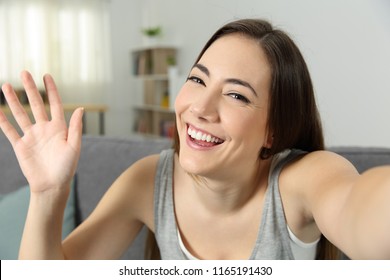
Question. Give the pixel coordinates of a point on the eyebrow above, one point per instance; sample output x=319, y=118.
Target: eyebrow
x=235, y=81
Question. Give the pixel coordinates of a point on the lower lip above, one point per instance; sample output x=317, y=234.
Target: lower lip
x=190, y=142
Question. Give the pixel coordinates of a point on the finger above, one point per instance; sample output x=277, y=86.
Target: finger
x=76, y=128
x=34, y=97
x=16, y=108
x=56, y=109
x=9, y=131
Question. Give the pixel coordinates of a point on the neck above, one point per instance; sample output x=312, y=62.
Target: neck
x=229, y=195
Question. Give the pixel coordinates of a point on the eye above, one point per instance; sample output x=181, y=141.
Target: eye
x=195, y=80
x=238, y=97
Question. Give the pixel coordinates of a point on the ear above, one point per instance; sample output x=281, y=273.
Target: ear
x=265, y=151
x=269, y=140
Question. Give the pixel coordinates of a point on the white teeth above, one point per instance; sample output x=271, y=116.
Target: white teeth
x=193, y=133
x=202, y=136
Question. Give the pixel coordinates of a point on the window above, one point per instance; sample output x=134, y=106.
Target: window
x=69, y=39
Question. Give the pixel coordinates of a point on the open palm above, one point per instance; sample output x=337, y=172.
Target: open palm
x=48, y=151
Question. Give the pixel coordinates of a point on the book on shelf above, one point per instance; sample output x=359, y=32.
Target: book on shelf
x=167, y=128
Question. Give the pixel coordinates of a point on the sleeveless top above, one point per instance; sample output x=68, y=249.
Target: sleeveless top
x=273, y=240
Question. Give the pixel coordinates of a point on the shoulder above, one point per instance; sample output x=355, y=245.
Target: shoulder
x=138, y=171
x=321, y=166
x=316, y=185
x=322, y=159
x=319, y=172
x=133, y=191
x=139, y=178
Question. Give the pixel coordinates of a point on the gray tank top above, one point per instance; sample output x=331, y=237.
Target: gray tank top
x=273, y=242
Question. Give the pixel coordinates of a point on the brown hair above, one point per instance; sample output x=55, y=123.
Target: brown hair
x=293, y=117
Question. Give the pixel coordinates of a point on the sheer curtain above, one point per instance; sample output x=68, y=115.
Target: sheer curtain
x=69, y=39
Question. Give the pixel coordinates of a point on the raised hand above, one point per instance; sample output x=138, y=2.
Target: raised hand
x=48, y=150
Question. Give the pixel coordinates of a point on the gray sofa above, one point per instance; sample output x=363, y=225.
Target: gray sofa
x=103, y=158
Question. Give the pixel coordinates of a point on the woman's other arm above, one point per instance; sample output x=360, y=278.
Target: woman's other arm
x=47, y=152
x=351, y=210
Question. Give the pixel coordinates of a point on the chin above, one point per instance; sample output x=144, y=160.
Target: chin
x=188, y=162
x=194, y=164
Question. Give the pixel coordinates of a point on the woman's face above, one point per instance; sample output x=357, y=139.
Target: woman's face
x=222, y=109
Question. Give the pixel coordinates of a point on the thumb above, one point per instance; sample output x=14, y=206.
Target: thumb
x=75, y=128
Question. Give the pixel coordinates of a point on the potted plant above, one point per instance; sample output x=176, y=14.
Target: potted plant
x=152, y=33
x=171, y=61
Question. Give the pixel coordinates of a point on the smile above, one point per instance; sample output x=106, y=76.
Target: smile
x=200, y=136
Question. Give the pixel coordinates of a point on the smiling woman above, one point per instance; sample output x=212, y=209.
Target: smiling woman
x=248, y=177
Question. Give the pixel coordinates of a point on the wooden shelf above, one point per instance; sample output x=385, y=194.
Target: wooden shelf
x=101, y=109
x=154, y=108
x=153, y=77
x=154, y=116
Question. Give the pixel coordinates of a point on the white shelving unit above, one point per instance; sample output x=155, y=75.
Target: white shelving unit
x=155, y=116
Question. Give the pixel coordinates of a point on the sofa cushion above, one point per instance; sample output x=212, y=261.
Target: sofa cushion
x=11, y=175
x=13, y=212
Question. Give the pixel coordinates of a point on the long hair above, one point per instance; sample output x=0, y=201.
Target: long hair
x=293, y=117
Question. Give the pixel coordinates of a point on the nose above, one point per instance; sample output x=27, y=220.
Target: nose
x=206, y=106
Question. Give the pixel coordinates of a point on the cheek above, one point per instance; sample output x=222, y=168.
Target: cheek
x=181, y=100
x=250, y=129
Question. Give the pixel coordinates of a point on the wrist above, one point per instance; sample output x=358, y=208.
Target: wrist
x=51, y=199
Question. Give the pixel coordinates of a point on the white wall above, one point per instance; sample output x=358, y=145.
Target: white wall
x=346, y=45
x=125, y=21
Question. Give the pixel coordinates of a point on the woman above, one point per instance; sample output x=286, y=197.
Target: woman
x=248, y=178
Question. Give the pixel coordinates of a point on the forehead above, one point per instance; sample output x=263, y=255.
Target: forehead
x=238, y=56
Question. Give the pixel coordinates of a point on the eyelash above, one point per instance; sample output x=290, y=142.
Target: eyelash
x=239, y=97
x=195, y=80
x=234, y=95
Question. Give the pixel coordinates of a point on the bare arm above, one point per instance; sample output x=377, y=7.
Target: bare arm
x=366, y=216
x=352, y=210
x=48, y=153
x=119, y=216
